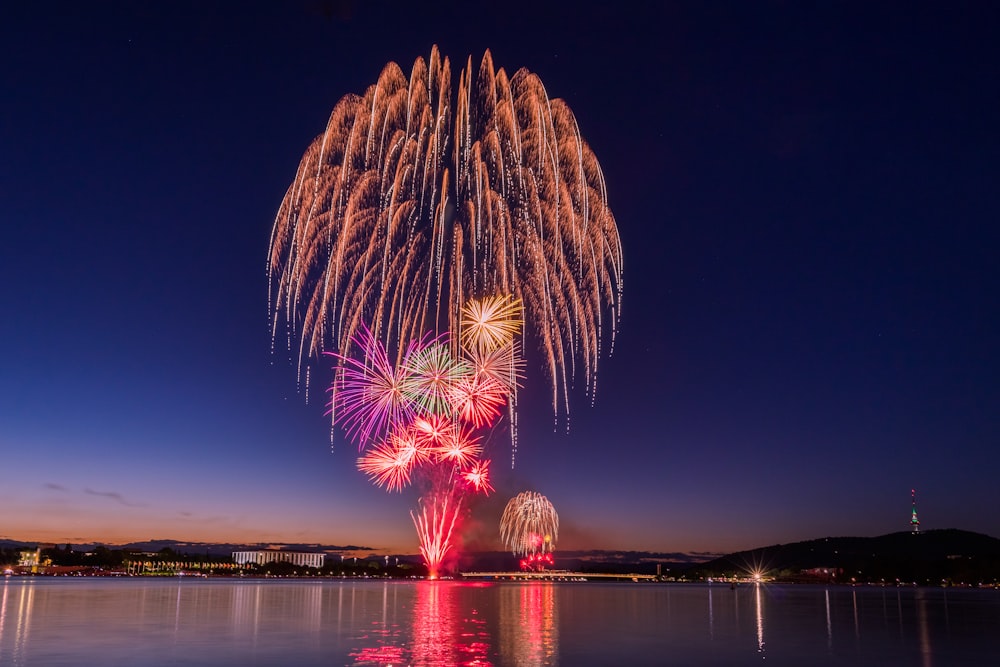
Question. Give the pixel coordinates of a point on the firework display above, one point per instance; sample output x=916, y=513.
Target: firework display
x=422, y=421
x=422, y=238
x=413, y=202
x=529, y=527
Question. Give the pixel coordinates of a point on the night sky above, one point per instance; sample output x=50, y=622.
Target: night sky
x=806, y=195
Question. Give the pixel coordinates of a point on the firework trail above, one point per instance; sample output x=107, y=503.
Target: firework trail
x=529, y=527
x=435, y=522
x=414, y=201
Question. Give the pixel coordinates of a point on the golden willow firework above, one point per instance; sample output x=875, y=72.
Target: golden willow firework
x=529, y=527
x=409, y=204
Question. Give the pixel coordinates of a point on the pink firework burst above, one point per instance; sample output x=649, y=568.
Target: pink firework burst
x=368, y=396
x=418, y=450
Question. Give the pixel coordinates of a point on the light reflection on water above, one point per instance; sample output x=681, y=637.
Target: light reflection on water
x=529, y=624
x=760, y=618
x=141, y=621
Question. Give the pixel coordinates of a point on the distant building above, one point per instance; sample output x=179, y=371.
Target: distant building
x=264, y=556
x=31, y=561
x=30, y=558
x=914, y=521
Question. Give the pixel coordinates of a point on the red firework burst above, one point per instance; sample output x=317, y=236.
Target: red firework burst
x=461, y=449
x=387, y=466
x=478, y=477
x=477, y=399
x=435, y=430
x=390, y=464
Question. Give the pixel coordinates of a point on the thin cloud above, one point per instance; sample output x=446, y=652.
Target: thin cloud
x=114, y=496
x=55, y=487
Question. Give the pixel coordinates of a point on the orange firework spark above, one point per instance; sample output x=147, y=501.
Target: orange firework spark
x=412, y=202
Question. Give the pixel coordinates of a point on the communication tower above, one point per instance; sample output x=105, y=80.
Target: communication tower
x=914, y=521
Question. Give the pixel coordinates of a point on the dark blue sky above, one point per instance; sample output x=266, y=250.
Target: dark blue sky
x=806, y=195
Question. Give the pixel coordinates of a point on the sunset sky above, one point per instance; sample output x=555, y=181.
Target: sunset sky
x=806, y=195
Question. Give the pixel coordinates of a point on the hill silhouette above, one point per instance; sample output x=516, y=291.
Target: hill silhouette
x=935, y=556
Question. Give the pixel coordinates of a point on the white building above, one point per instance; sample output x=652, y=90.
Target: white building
x=264, y=556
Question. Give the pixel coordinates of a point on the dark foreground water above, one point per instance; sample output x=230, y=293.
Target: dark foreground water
x=189, y=621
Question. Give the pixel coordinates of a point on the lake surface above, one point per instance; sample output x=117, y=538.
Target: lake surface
x=195, y=621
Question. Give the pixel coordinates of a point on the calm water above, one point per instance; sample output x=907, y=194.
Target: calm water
x=142, y=621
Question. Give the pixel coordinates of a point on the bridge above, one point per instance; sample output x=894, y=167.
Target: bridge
x=556, y=575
